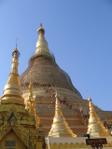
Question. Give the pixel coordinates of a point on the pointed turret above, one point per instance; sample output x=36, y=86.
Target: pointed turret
x=12, y=92
x=31, y=105
x=30, y=101
x=60, y=127
x=95, y=125
x=42, y=45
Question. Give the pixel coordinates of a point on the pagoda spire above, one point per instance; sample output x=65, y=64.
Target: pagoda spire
x=12, y=92
x=31, y=103
x=60, y=127
x=42, y=45
x=95, y=125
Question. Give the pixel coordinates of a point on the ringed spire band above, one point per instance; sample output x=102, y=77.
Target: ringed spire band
x=42, y=45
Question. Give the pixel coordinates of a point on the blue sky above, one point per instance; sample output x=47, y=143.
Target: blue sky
x=79, y=33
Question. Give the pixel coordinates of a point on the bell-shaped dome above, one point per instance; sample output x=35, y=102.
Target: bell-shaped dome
x=45, y=71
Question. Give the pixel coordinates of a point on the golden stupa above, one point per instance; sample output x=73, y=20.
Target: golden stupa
x=48, y=76
x=60, y=127
x=95, y=125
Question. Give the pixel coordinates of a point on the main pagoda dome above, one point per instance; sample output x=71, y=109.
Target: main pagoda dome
x=46, y=76
x=44, y=69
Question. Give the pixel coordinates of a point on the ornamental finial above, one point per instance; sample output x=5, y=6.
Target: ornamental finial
x=42, y=45
x=41, y=29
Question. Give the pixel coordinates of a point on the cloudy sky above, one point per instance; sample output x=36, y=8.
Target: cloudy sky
x=79, y=33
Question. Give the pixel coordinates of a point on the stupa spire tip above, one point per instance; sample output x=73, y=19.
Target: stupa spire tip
x=15, y=52
x=41, y=29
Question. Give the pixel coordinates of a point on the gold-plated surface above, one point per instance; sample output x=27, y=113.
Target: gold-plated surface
x=42, y=45
x=95, y=125
x=12, y=92
x=31, y=106
x=60, y=127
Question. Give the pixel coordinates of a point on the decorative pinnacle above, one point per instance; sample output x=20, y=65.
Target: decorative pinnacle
x=60, y=127
x=95, y=125
x=41, y=29
x=15, y=56
x=57, y=105
x=42, y=45
x=12, y=92
x=16, y=53
x=31, y=103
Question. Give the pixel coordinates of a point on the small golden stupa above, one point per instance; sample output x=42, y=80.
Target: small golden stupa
x=12, y=87
x=60, y=127
x=95, y=125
